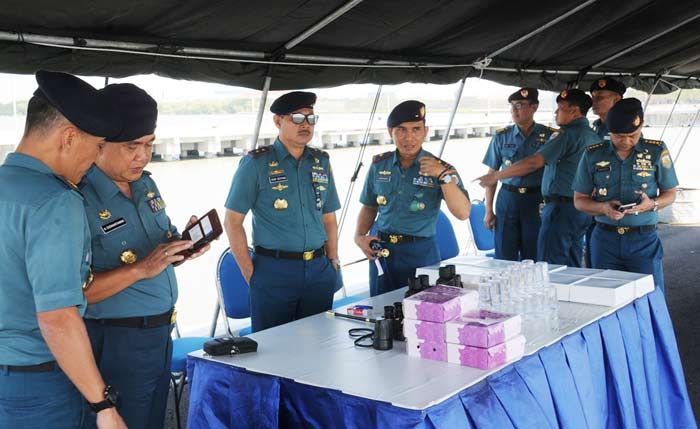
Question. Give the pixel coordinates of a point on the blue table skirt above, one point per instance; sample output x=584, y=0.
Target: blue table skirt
x=622, y=371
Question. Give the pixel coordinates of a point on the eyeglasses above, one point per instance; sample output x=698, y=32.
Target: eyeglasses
x=299, y=118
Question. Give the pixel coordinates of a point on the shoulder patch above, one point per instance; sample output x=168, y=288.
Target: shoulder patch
x=594, y=147
x=502, y=130
x=382, y=157
x=259, y=151
x=654, y=142
x=318, y=152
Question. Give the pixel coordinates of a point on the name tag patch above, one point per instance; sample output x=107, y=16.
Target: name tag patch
x=277, y=179
x=114, y=225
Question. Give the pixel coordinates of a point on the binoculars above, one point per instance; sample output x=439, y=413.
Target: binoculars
x=449, y=277
x=395, y=314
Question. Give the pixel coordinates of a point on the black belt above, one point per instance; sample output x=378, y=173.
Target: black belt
x=398, y=238
x=522, y=189
x=42, y=367
x=139, y=322
x=622, y=230
x=282, y=254
x=558, y=199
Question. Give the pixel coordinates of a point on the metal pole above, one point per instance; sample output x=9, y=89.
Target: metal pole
x=645, y=41
x=212, y=331
x=541, y=29
x=261, y=110
x=670, y=115
x=692, y=125
x=458, y=98
x=321, y=24
x=653, y=88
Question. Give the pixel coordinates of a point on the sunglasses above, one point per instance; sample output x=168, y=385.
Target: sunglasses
x=299, y=118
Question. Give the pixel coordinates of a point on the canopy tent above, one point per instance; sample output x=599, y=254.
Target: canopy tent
x=314, y=43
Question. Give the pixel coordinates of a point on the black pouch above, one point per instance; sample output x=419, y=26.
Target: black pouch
x=230, y=346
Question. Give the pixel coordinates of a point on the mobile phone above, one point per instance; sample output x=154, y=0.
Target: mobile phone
x=624, y=207
x=204, y=231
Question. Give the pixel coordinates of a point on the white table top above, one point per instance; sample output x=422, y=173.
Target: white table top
x=317, y=351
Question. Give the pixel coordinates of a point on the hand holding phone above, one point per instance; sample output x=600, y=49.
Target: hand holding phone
x=623, y=207
x=201, y=233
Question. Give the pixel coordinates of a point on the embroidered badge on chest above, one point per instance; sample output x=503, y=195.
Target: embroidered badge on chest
x=424, y=181
x=156, y=204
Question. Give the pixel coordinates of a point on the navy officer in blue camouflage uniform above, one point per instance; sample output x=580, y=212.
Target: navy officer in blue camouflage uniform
x=402, y=196
x=517, y=218
x=132, y=298
x=628, y=169
x=290, y=189
x=46, y=364
x=560, y=240
x=605, y=92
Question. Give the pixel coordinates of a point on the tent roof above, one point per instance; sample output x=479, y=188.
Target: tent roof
x=381, y=41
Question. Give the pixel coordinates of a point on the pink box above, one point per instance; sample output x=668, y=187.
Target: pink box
x=486, y=358
x=426, y=349
x=482, y=328
x=422, y=330
x=440, y=303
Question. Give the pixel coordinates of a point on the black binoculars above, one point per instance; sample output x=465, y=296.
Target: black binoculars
x=449, y=277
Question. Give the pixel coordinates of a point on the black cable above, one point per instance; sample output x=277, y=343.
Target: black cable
x=360, y=335
x=358, y=164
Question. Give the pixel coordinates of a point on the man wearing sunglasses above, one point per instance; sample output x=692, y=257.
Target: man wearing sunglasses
x=290, y=189
x=560, y=240
x=517, y=217
x=403, y=191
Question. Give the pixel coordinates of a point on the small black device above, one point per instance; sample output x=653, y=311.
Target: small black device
x=417, y=284
x=111, y=400
x=383, y=338
x=204, y=231
x=225, y=346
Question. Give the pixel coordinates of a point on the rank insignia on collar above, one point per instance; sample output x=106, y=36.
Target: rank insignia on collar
x=104, y=214
x=273, y=164
x=150, y=194
x=280, y=187
x=602, y=163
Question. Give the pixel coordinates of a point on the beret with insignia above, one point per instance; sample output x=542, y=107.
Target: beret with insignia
x=138, y=110
x=608, y=84
x=83, y=105
x=576, y=97
x=528, y=94
x=292, y=101
x=407, y=111
x=626, y=116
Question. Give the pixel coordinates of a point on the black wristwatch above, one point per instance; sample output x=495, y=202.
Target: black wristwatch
x=111, y=400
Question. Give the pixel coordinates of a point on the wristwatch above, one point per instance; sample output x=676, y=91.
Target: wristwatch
x=111, y=400
x=656, y=204
x=449, y=178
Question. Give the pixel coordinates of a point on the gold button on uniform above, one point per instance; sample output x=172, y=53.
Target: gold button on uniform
x=128, y=257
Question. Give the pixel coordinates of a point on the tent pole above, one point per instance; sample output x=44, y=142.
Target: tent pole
x=541, y=29
x=458, y=98
x=670, y=115
x=690, y=129
x=321, y=24
x=261, y=109
x=653, y=88
x=645, y=41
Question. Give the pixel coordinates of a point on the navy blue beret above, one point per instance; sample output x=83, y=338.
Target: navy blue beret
x=292, y=101
x=576, y=97
x=626, y=116
x=79, y=102
x=608, y=84
x=407, y=111
x=137, y=109
x=529, y=94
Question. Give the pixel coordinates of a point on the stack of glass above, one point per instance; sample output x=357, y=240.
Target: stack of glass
x=523, y=289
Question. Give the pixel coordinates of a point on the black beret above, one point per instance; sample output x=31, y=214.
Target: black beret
x=576, y=97
x=292, y=101
x=608, y=84
x=137, y=109
x=626, y=116
x=407, y=111
x=79, y=102
x=529, y=94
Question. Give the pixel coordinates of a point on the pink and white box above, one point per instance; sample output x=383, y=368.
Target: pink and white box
x=486, y=358
x=434, y=350
x=483, y=328
x=440, y=303
x=422, y=330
